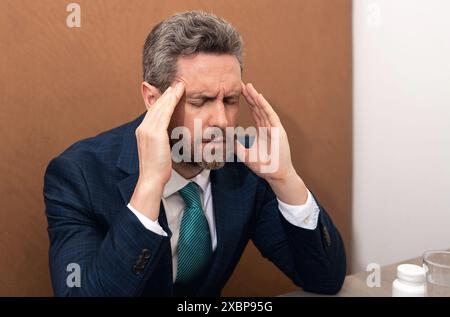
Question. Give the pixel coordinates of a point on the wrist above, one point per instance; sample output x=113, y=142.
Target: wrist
x=290, y=189
x=146, y=198
x=286, y=178
x=150, y=185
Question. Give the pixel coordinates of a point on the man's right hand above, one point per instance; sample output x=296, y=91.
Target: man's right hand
x=155, y=161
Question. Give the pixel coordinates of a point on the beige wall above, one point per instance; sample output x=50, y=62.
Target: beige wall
x=59, y=85
x=403, y=131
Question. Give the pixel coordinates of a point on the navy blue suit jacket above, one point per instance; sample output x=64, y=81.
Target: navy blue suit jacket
x=86, y=191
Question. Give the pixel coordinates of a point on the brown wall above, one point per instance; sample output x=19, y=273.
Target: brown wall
x=58, y=85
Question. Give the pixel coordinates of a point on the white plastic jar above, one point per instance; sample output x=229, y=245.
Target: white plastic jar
x=410, y=281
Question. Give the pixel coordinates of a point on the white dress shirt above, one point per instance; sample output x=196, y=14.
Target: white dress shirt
x=304, y=216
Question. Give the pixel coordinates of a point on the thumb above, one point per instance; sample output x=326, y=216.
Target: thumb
x=241, y=151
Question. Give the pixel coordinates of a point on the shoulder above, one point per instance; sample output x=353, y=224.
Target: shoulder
x=102, y=149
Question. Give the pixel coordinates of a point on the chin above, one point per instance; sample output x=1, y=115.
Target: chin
x=211, y=165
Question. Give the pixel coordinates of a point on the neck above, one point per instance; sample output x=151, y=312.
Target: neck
x=186, y=170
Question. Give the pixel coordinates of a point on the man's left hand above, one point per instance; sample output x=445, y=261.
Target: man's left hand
x=284, y=180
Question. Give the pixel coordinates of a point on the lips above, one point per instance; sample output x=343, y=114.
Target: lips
x=214, y=140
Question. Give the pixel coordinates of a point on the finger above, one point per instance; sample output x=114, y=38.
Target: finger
x=170, y=97
x=153, y=113
x=158, y=116
x=255, y=111
x=156, y=104
x=241, y=151
x=255, y=96
x=257, y=118
x=268, y=110
x=249, y=156
x=247, y=96
x=168, y=105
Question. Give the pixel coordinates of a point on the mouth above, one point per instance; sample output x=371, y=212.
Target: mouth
x=217, y=140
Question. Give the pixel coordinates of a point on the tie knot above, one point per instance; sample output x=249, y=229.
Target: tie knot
x=191, y=195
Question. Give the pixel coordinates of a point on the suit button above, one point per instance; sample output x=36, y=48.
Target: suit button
x=141, y=260
x=138, y=268
x=146, y=254
x=326, y=236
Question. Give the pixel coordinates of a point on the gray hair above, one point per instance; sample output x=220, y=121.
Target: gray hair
x=186, y=34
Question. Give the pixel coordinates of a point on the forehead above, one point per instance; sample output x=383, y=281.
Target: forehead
x=209, y=72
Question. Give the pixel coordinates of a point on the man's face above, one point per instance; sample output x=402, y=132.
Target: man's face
x=212, y=90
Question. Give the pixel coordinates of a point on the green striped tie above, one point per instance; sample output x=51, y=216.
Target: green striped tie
x=194, y=242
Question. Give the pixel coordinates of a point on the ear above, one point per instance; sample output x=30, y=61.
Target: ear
x=150, y=94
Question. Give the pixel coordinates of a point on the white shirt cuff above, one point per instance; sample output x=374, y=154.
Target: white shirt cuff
x=304, y=216
x=148, y=223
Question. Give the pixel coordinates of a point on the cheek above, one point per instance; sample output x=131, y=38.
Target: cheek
x=232, y=114
x=184, y=115
x=196, y=113
x=187, y=118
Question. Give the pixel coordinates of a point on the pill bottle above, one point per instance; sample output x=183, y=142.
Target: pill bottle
x=410, y=281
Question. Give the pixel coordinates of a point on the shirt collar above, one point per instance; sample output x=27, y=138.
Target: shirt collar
x=177, y=182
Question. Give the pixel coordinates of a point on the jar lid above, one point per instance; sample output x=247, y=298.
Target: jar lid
x=411, y=273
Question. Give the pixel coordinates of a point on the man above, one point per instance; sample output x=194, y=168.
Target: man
x=136, y=222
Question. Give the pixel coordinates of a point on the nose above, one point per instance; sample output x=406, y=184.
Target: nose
x=219, y=115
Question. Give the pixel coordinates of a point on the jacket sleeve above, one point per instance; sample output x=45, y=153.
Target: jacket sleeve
x=117, y=261
x=313, y=259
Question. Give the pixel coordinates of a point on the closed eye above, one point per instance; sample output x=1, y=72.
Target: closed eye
x=198, y=102
x=230, y=100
